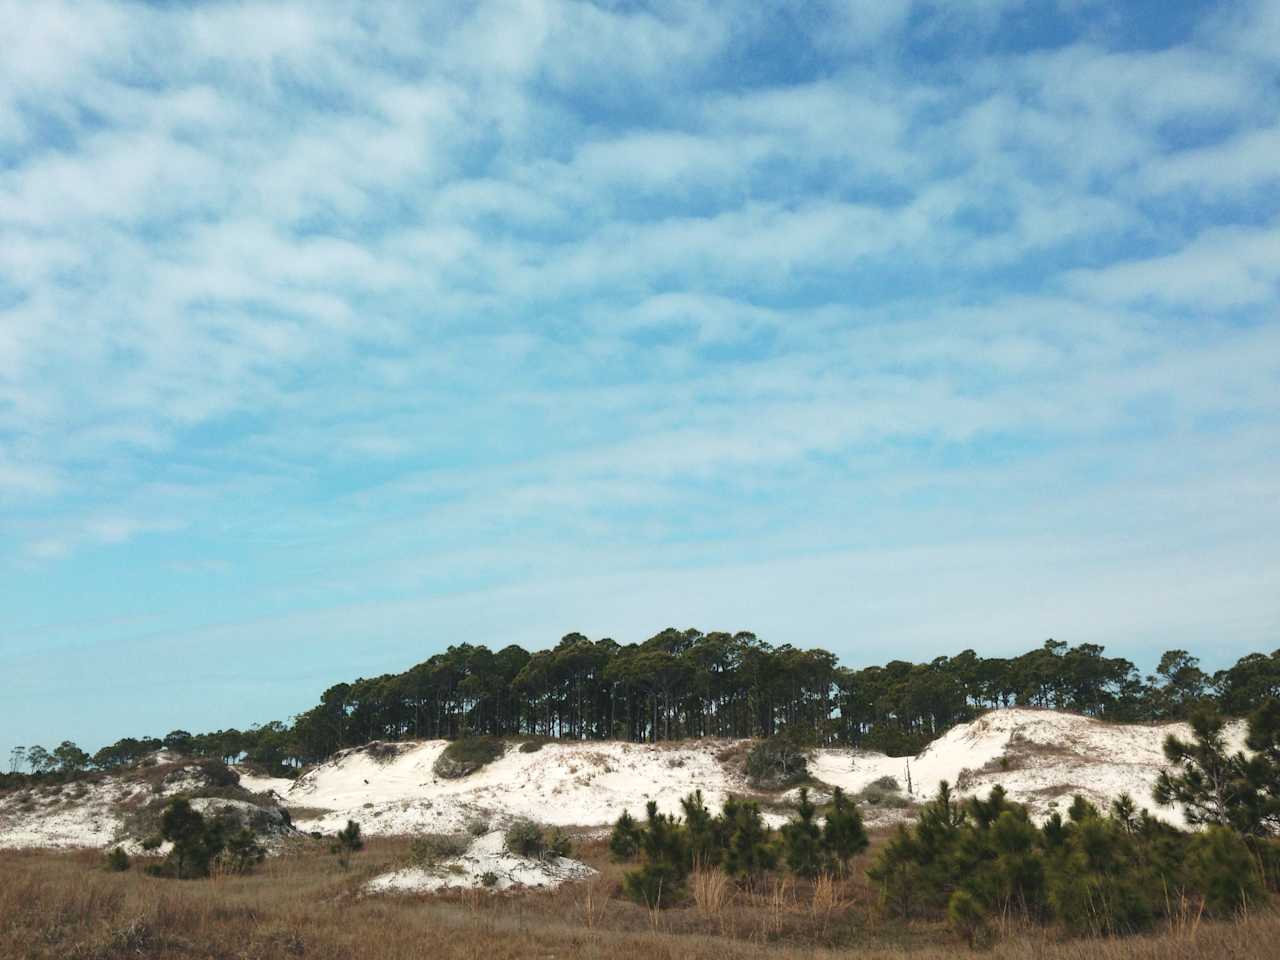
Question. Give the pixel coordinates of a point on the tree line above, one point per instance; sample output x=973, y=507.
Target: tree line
x=687, y=684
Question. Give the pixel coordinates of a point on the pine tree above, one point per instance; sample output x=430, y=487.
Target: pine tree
x=843, y=835
x=802, y=839
x=748, y=852
x=346, y=842
x=624, y=842
x=660, y=879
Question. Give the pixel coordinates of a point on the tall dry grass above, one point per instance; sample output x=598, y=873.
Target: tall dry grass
x=58, y=905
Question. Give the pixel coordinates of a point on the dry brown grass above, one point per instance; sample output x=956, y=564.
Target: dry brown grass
x=62, y=905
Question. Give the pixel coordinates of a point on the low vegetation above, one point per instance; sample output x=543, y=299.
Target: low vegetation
x=464, y=757
x=527, y=838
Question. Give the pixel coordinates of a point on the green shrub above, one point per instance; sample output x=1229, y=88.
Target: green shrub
x=489, y=879
x=624, y=842
x=559, y=844
x=464, y=757
x=477, y=826
x=660, y=879
x=532, y=746
x=966, y=918
x=429, y=849
x=117, y=861
x=346, y=842
x=780, y=760
x=525, y=838
x=749, y=851
x=843, y=835
x=243, y=852
x=1222, y=869
x=802, y=840
x=196, y=842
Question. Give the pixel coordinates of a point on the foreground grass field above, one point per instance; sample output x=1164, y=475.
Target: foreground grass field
x=63, y=905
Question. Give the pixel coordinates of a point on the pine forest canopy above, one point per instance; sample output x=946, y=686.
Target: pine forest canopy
x=686, y=683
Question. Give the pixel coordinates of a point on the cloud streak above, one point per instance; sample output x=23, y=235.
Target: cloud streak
x=430, y=312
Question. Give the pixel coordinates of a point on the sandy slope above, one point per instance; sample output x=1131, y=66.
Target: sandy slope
x=1047, y=757
x=486, y=855
x=1050, y=757
x=563, y=784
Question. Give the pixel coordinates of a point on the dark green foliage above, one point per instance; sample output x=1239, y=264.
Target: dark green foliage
x=749, y=852
x=704, y=833
x=781, y=760
x=466, y=756
x=117, y=861
x=802, y=840
x=196, y=842
x=1215, y=787
x=1091, y=874
x=526, y=838
x=967, y=918
x=843, y=836
x=346, y=842
x=686, y=683
x=489, y=879
x=624, y=842
x=1099, y=884
x=243, y=852
x=1221, y=867
x=660, y=879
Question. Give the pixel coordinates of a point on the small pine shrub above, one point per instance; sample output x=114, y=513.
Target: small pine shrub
x=802, y=840
x=243, y=852
x=660, y=879
x=117, y=861
x=843, y=835
x=525, y=838
x=346, y=842
x=624, y=842
x=1223, y=870
x=489, y=879
x=559, y=844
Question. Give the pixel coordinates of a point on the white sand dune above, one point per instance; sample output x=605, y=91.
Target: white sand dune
x=1047, y=757
x=485, y=855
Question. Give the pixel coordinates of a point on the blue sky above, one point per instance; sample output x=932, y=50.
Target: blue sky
x=332, y=334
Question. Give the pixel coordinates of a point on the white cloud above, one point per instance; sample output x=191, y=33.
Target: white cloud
x=1222, y=269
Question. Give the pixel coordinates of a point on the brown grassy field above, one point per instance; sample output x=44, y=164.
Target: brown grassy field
x=302, y=904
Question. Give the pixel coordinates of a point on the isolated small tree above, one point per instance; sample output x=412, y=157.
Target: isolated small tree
x=117, y=861
x=40, y=760
x=346, y=842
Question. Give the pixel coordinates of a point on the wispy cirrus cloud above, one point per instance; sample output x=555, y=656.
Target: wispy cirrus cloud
x=418, y=309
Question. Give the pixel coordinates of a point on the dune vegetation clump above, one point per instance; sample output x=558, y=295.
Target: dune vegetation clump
x=464, y=757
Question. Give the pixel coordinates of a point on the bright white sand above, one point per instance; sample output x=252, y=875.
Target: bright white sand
x=1051, y=756
x=485, y=855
